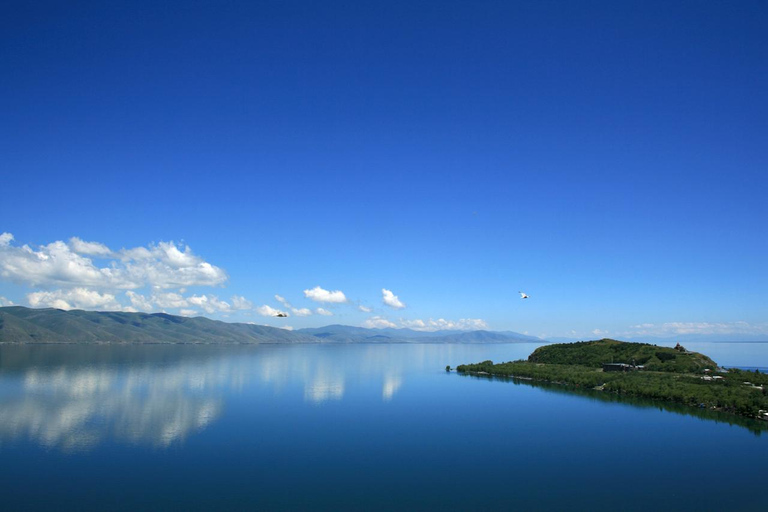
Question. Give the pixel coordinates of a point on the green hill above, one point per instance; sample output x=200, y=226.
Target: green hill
x=595, y=353
x=25, y=325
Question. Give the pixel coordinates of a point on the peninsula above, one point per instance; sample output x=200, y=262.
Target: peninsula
x=640, y=370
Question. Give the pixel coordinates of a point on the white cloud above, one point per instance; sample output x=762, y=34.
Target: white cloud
x=268, y=311
x=188, y=312
x=79, y=282
x=364, y=309
x=390, y=299
x=162, y=265
x=324, y=312
x=318, y=294
x=599, y=332
x=296, y=311
x=679, y=328
x=286, y=327
x=240, y=302
x=377, y=322
x=76, y=298
x=463, y=324
x=139, y=302
x=166, y=266
x=89, y=248
x=209, y=304
x=417, y=325
x=169, y=300
x=5, y=302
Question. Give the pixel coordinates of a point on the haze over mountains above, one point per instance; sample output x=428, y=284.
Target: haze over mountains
x=25, y=325
x=732, y=337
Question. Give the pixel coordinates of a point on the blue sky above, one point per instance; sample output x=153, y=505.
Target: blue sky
x=607, y=158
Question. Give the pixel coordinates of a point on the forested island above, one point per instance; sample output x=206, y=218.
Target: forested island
x=640, y=370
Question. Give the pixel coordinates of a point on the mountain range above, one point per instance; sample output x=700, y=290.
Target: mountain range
x=25, y=325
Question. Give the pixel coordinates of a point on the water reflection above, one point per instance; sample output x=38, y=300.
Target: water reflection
x=77, y=408
x=324, y=386
x=392, y=383
x=75, y=397
x=757, y=427
x=78, y=397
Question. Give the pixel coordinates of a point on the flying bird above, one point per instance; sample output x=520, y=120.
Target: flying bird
x=281, y=315
x=523, y=295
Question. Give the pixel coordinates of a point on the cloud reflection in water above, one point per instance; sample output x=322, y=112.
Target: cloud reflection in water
x=75, y=398
x=76, y=408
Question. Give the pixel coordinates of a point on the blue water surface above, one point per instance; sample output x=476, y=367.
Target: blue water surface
x=353, y=427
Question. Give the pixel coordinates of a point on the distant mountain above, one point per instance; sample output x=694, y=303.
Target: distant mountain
x=348, y=334
x=24, y=325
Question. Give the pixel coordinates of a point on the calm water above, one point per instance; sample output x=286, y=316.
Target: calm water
x=352, y=427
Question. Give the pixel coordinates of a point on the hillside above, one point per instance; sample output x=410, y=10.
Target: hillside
x=24, y=325
x=595, y=353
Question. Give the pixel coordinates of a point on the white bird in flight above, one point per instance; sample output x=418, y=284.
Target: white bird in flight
x=523, y=295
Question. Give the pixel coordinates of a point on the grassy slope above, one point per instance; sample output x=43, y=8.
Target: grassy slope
x=595, y=353
x=24, y=325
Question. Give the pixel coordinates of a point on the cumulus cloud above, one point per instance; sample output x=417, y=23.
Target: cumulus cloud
x=377, y=322
x=463, y=324
x=58, y=264
x=324, y=312
x=169, y=300
x=89, y=275
x=240, y=302
x=599, y=332
x=76, y=298
x=5, y=302
x=269, y=311
x=188, y=312
x=139, y=302
x=364, y=309
x=88, y=248
x=416, y=325
x=390, y=299
x=318, y=294
x=209, y=303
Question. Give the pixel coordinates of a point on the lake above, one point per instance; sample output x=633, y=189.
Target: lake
x=353, y=427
